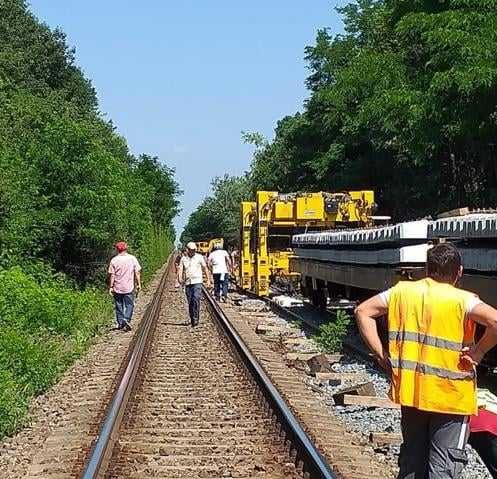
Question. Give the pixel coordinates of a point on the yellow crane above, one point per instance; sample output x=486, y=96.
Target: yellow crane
x=269, y=222
x=205, y=247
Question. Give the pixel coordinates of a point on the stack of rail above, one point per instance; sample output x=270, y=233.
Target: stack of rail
x=373, y=259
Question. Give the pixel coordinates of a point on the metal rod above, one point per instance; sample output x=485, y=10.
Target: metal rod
x=314, y=463
x=101, y=451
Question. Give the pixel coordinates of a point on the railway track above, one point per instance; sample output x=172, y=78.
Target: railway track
x=194, y=403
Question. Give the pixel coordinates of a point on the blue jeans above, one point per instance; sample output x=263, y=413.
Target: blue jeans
x=124, y=307
x=220, y=285
x=193, y=294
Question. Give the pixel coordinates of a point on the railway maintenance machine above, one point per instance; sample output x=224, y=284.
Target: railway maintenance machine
x=269, y=222
x=206, y=247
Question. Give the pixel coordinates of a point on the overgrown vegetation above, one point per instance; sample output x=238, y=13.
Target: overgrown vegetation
x=404, y=102
x=330, y=335
x=69, y=188
x=45, y=325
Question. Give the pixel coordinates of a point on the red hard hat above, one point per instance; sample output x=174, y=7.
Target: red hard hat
x=121, y=246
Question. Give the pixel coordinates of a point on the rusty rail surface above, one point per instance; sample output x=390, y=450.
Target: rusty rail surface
x=98, y=459
x=96, y=465
x=311, y=460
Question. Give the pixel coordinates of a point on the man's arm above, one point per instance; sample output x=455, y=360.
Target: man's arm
x=112, y=277
x=111, y=283
x=366, y=315
x=209, y=262
x=229, y=264
x=138, y=275
x=207, y=274
x=180, y=271
x=486, y=316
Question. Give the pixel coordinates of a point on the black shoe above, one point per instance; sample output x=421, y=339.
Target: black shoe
x=126, y=326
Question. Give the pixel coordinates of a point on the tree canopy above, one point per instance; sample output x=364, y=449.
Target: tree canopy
x=403, y=102
x=69, y=185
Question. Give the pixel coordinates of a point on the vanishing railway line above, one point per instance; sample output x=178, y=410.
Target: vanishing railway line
x=194, y=403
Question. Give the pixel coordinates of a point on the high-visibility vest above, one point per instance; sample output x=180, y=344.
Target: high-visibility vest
x=427, y=329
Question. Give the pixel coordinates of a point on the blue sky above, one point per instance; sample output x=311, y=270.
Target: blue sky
x=182, y=79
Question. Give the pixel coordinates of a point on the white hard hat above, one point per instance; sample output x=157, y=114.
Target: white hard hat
x=191, y=245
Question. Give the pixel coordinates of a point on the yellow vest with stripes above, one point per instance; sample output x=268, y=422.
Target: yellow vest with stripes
x=427, y=328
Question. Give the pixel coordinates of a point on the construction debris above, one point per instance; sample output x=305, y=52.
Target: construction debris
x=335, y=379
x=287, y=301
x=319, y=364
x=369, y=401
x=364, y=389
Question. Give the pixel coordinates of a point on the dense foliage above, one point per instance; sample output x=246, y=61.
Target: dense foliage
x=69, y=189
x=69, y=186
x=45, y=326
x=406, y=97
x=403, y=102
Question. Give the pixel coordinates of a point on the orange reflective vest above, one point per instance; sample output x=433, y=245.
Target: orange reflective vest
x=428, y=327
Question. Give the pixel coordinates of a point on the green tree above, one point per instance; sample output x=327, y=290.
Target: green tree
x=69, y=188
x=219, y=214
x=405, y=97
x=69, y=185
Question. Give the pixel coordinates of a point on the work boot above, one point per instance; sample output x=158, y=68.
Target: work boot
x=126, y=326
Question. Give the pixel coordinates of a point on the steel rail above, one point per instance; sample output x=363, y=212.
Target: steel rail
x=100, y=454
x=313, y=462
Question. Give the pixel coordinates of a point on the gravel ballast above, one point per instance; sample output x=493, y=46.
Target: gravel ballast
x=367, y=420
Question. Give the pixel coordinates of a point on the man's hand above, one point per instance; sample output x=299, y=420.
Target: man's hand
x=471, y=357
x=383, y=361
x=111, y=291
x=138, y=287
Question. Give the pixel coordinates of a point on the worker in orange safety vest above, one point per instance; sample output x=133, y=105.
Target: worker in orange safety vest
x=431, y=358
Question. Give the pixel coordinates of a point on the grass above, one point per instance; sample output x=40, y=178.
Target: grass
x=46, y=323
x=330, y=335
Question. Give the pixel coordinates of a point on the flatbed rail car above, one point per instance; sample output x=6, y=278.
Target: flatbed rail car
x=355, y=263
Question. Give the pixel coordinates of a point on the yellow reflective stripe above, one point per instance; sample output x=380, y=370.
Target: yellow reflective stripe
x=431, y=370
x=426, y=339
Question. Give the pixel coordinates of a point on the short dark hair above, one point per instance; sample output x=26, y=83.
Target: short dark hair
x=443, y=262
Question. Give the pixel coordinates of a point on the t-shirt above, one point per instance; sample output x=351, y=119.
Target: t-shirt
x=191, y=268
x=217, y=261
x=123, y=267
x=471, y=302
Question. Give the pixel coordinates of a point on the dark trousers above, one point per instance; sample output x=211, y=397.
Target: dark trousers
x=433, y=446
x=220, y=285
x=485, y=444
x=193, y=294
x=124, y=307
